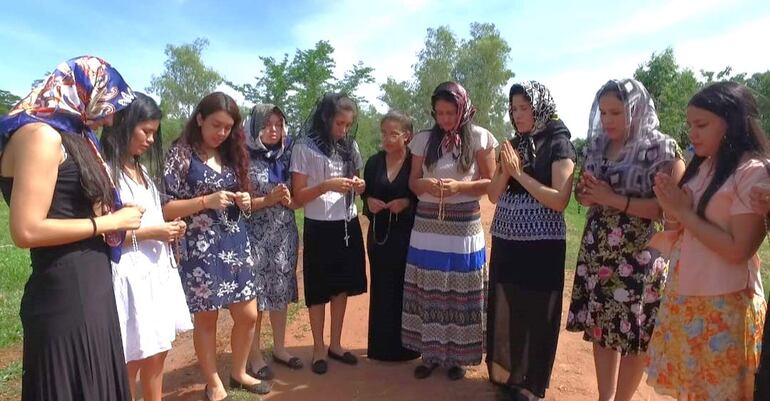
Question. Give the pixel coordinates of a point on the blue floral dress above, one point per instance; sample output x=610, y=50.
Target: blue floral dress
x=216, y=267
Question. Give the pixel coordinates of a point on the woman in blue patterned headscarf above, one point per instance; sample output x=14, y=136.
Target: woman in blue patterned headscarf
x=62, y=204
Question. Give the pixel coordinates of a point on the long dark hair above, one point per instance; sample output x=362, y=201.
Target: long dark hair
x=319, y=125
x=233, y=149
x=433, y=148
x=117, y=139
x=737, y=106
x=93, y=177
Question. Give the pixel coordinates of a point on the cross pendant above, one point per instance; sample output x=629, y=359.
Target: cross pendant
x=347, y=237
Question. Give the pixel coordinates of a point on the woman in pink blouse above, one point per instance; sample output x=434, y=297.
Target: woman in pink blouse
x=709, y=327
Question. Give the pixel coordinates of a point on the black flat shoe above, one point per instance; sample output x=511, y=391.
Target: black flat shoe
x=319, y=367
x=293, y=363
x=346, y=358
x=206, y=396
x=264, y=373
x=424, y=371
x=455, y=373
x=260, y=388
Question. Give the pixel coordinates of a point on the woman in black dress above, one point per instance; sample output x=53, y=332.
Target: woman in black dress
x=389, y=205
x=60, y=199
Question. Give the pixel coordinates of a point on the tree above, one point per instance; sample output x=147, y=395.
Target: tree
x=185, y=79
x=478, y=63
x=399, y=95
x=481, y=68
x=272, y=87
x=296, y=85
x=7, y=101
x=759, y=83
x=671, y=87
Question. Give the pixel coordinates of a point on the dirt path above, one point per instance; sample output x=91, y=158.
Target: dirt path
x=573, y=378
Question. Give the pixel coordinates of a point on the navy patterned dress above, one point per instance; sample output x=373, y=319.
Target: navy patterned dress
x=273, y=232
x=216, y=269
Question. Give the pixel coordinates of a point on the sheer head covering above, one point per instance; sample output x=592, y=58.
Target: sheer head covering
x=317, y=130
x=452, y=141
x=646, y=150
x=543, y=111
x=278, y=171
x=79, y=90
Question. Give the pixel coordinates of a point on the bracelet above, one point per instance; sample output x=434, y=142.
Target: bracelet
x=93, y=223
x=628, y=203
x=203, y=202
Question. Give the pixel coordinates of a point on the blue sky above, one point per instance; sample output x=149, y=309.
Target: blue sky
x=572, y=47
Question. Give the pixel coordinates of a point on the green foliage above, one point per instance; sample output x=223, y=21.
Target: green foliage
x=14, y=271
x=7, y=101
x=478, y=63
x=671, y=87
x=185, y=79
x=298, y=83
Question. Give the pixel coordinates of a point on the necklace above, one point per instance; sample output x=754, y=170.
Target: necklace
x=387, y=233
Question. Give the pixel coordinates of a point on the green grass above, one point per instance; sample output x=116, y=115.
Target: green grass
x=14, y=271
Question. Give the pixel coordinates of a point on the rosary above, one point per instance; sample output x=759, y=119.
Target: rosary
x=441, y=208
x=349, y=215
x=387, y=233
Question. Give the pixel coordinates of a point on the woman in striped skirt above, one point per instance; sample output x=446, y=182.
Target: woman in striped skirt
x=443, y=314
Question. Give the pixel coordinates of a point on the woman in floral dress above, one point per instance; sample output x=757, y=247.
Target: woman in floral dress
x=618, y=280
x=272, y=231
x=207, y=184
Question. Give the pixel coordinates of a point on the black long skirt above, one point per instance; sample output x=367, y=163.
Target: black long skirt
x=524, y=312
x=72, y=342
x=387, y=264
x=330, y=266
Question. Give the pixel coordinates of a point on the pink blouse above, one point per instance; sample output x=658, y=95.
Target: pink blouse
x=703, y=272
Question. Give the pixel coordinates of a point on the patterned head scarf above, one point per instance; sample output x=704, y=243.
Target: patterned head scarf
x=82, y=89
x=646, y=149
x=452, y=142
x=543, y=110
x=255, y=123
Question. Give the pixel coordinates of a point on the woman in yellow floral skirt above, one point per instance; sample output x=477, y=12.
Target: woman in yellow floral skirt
x=708, y=335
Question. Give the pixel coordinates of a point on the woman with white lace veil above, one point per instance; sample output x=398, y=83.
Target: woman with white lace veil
x=618, y=279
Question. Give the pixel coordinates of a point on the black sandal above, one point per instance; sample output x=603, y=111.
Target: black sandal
x=207, y=397
x=319, y=367
x=424, y=371
x=293, y=363
x=346, y=358
x=260, y=388
x=264, y=373
x=456, y=373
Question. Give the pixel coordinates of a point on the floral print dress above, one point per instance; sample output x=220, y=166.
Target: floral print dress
x=216, y=267
x=618, y=282
x=274, y=239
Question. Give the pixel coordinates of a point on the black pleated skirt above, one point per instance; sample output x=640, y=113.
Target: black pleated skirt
x=330, y=265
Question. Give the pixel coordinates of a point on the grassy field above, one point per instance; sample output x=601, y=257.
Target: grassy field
x=14, y=270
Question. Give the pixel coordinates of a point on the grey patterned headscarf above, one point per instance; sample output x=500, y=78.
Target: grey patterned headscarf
x=646, y=149
x=543, y=110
